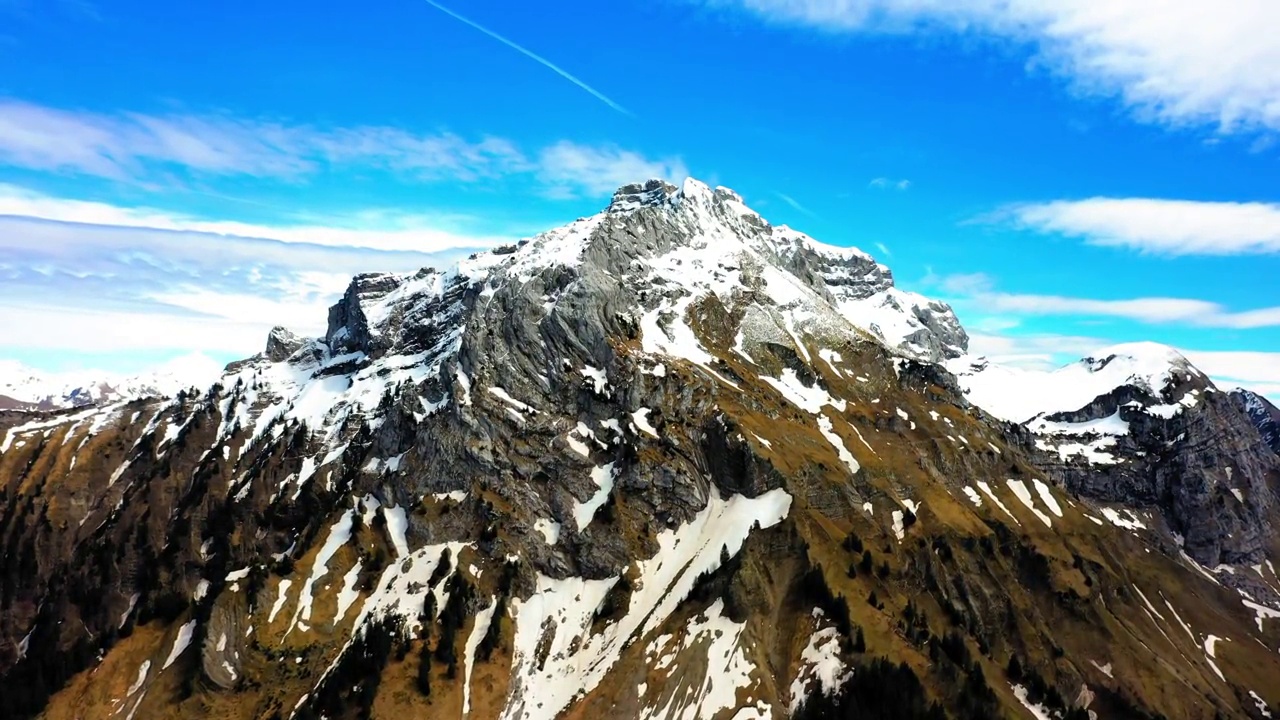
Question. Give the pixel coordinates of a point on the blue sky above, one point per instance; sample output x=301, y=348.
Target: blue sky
x=177, y=177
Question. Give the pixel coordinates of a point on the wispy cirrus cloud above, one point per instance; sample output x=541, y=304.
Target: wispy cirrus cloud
x=1165, y=227
x=795, y=205
x=140, y=147
x=1177, y=64
x=129, y=145
x=978, y=291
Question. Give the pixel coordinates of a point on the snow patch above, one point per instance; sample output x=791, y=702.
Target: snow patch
x=550, y=530
x=973, y=496
x=808, y=399
x=1019, y=489
x=1130, y=523
x=828, y=432
x=986, y=489
x=339, y=535
x=478, y=632
x=180, y=643
x=641, y=419
x=397, y=525
x=603, y=477
x=820, y=660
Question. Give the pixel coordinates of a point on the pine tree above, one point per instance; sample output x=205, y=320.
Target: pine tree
x=424, y=671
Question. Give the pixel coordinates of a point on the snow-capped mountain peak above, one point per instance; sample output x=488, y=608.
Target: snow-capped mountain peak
x=656, y=250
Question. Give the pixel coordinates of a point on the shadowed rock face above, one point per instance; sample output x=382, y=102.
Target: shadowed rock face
x=1189, y=466
x=665, y=461
x=1265, y=416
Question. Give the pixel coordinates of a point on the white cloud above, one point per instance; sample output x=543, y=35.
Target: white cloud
x=385, y=230
x=152, y=148
x=569, y=169
x=884, y=183
x=1258, y=371
x=1036, y=351
x=1169, y=227
x=81, y=329
x=884, y=249
x=93, y=279
x=976, y=290
x=1175, y=63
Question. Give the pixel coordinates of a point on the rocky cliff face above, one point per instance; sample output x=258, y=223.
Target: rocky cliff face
x=1264, y=415
x=668, y=461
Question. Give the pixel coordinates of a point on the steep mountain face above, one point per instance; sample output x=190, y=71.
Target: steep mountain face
x=668, y=461
x=1265, y=416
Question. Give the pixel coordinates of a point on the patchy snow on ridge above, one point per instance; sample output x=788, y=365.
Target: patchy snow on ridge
x=810, y=399
x=728, y=669
x=339, y=535
x=821, y=662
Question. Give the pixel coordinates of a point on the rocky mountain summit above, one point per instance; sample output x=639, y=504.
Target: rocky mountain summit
x=668, y=461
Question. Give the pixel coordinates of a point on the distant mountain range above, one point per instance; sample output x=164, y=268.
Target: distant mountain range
x=24, y=388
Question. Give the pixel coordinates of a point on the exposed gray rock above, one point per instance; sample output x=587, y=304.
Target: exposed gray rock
x=281, y=343
x=1204, y=467
x=1265, y=416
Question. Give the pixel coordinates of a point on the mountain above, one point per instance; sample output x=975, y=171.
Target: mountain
x=1265, y=416
x=668, y=461
x=22, y=388
x=1137, y=424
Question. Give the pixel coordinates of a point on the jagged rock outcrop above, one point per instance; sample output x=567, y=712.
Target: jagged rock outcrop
x=665, y=461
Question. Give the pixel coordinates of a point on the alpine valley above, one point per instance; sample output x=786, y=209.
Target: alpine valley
x=668, y=461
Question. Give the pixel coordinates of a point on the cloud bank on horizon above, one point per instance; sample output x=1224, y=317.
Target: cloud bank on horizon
x=1080, y=173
